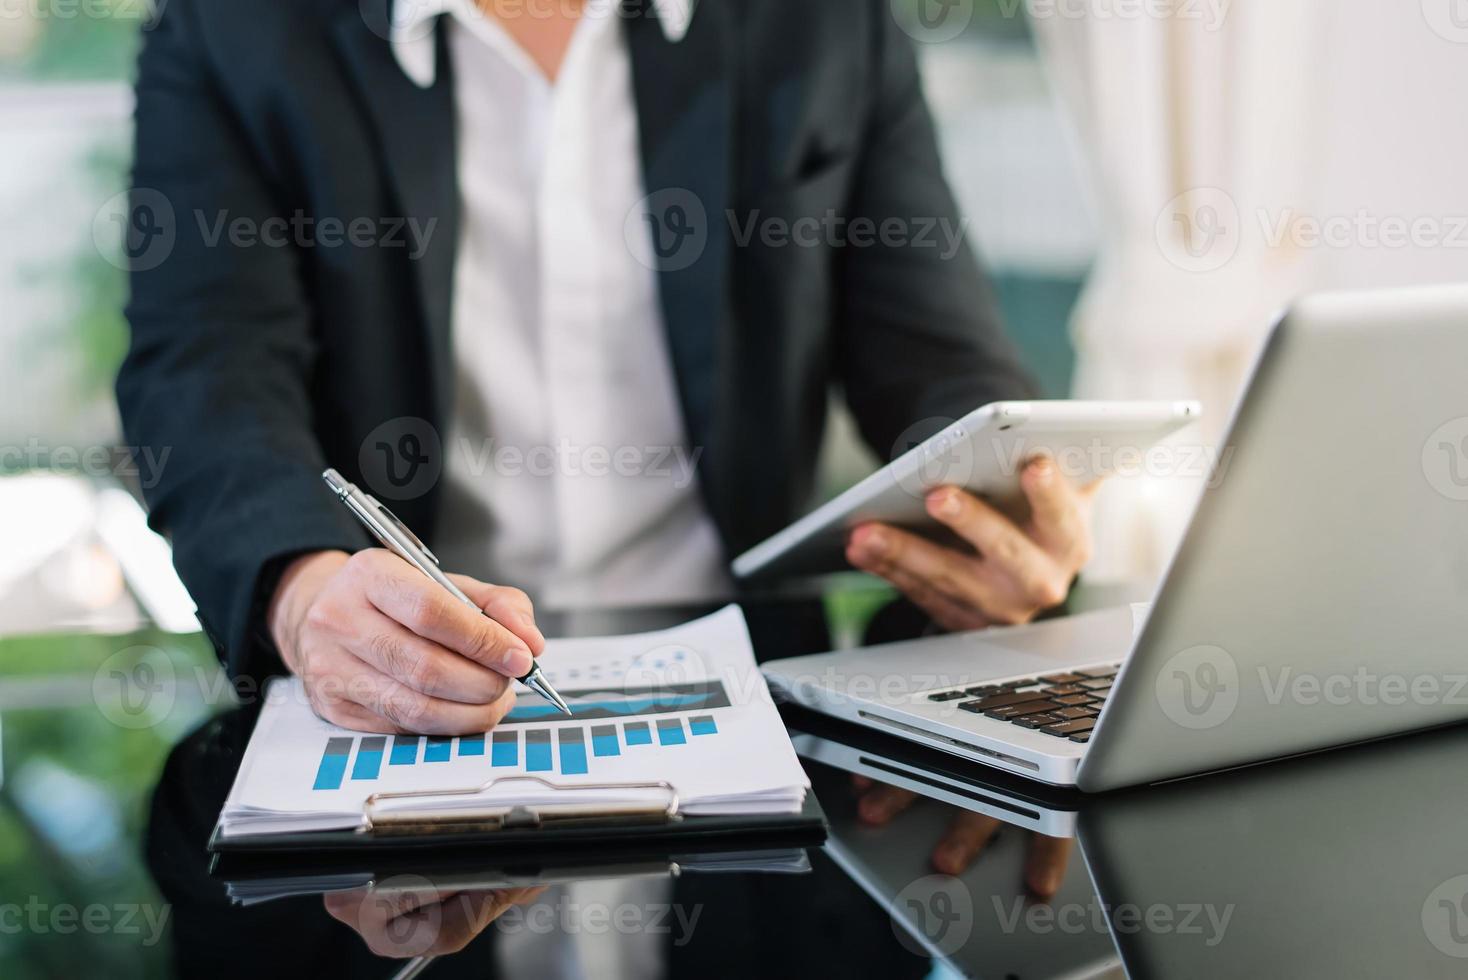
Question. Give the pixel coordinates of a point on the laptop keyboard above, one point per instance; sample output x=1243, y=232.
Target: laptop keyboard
x=1064, y=705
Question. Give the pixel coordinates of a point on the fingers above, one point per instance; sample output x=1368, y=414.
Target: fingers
x=336, y=709
x=997, y=539
x=465, y=916
x=338, y=680
x=400, y=592
x=967, y=836
x=956, y=589
x=948, y=613
x=1057, y=513
x=1035, y=574
x=1045, y=866
x=423, y=666
x=509, y=607
x=883, y=803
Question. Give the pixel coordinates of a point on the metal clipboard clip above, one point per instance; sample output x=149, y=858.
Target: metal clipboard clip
x=478, y=815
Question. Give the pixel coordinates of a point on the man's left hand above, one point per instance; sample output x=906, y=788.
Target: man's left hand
x=1010, y=573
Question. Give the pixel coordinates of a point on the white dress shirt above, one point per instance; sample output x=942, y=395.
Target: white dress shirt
x=568, y=472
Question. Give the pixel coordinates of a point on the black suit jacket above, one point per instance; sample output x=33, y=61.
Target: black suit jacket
x=259, y=365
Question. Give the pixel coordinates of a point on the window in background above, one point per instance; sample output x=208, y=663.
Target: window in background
x=1013, y=167
x=1015, y=171
x=79, y=762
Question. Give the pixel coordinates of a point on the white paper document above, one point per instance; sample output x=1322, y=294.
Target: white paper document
x=686, y=707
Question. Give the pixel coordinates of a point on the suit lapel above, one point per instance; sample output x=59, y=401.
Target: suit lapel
x=685, y=112
x=415, y=128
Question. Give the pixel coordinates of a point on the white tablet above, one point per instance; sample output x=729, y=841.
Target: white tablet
x=984, y=453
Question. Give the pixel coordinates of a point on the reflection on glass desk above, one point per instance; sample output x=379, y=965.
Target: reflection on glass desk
x=1347, y=863
x=1350, y=863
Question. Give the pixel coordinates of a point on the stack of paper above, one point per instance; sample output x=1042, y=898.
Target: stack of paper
x=685, y=707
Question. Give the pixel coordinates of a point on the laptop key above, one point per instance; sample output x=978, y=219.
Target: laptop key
x=947, y=695
x=1081, y=737
x=1030, y=708
x=1065, y=689
x=1061, y=678
x=1071, y=714
x=1072, y=727
x=1036, y=721
x=983, y=690
x=1099, y=684
x=1000, y=700
x=1072, y=700
x=1023, y=708
x=1099, y=673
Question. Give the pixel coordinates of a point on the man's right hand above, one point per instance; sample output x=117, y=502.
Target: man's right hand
x=383, y=648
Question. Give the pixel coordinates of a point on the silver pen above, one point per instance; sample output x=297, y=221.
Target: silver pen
x=396, y=537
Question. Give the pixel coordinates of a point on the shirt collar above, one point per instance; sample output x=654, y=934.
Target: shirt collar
x=413, y=22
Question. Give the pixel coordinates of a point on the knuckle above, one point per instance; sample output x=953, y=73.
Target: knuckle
x=321, y=617
x=1011, y=616
x=405, y=709
x=514, y=596
x=1005, y=550
x=1047, y=591
x=423, y=609
x=947, y=582
x=424, y=674
x=415, y=669
x=487, y=644
x=365, y=562
x=385, y=649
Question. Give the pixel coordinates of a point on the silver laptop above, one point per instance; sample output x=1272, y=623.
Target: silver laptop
x=1319, y=597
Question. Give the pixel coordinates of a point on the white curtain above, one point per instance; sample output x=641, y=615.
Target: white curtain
x=1211, y=134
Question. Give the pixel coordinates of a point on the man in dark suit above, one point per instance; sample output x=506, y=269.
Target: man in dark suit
x=364, y=233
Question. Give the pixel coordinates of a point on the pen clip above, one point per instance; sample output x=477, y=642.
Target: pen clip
x=407, y=532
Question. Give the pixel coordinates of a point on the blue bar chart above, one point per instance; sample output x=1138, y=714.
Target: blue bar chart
x=506, y=749
x=670, y=732
x=404, y=751
x=570, y=750
x=333, y=764
x=573, y=751
x=369, y=758
x=538, y=750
